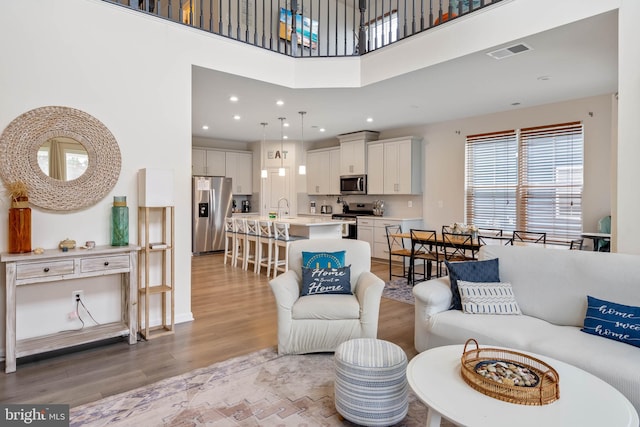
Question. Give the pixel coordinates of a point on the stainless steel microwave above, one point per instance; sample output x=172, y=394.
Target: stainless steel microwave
x=353, y=184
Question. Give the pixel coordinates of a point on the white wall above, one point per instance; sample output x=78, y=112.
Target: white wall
x=627, y=197
x=443, y=186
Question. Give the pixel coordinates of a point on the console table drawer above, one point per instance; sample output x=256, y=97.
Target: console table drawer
x=105, y=263
x=44, y=269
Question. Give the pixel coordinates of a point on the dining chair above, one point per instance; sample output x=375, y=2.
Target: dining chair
x=490, y=232
x=604, y=226
x=396, y=246
x=240, y=228
x=282, y=239
x=252, y=242
x=529, y=236
x=229, y=240
x=576, y=244
x=495, y=240
x=424, y=246
x=459, y=247
x=265, y=246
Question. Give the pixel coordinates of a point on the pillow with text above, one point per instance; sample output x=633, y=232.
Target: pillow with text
x=322, y=281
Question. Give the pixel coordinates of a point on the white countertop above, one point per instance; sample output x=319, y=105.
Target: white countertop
x=306, y=221
x=390, y=218
x=309, y=221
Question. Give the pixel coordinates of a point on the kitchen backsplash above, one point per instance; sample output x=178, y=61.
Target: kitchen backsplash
x=394, y=206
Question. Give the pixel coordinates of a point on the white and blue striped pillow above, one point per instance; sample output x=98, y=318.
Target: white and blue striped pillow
x=487, y=298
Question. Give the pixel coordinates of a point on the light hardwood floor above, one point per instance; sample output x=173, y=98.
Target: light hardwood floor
x=234, y=313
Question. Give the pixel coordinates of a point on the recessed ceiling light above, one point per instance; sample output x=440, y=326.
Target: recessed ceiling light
x=233, y=98
x=369, y=119
x=236, y=117
x=544, y=78
x=205, y=127
x=285, y=137
x=322, y=129
x=279, y=102
x=286, y=125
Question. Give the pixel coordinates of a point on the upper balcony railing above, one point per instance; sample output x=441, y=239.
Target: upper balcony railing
x=322, y=28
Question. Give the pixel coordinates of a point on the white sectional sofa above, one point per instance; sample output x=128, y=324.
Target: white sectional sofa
x=551, y=288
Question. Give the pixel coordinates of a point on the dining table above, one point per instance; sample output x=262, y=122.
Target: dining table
x=597, y=238
x=475, y=244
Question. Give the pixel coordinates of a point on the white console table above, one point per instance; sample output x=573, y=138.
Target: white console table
x=55, y=265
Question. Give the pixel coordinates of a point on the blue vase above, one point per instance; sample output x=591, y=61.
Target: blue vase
x=119, y=222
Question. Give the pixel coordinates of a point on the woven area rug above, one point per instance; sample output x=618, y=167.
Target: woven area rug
x=399, y=290
x=259, y=389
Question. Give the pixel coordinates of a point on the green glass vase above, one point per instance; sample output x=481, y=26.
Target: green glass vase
x=119, y=222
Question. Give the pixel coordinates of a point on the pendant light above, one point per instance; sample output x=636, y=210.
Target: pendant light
x=263, y=172
x=281, y=171
x=302, y=169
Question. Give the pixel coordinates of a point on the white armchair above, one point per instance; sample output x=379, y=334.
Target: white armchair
x=319, y=323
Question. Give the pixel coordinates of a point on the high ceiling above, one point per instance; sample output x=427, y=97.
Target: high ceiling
x=569, y=62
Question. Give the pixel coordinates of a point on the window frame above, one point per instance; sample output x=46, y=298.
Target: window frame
x=549, y=185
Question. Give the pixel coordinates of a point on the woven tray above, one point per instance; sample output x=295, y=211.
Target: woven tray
x=544, y=391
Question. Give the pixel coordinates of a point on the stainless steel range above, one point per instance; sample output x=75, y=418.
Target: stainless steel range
x=352, y=212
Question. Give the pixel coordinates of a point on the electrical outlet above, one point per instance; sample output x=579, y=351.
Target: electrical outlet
x=410, y=203
x=74, y=297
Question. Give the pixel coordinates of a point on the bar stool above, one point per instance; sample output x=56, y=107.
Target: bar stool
x=240, y=228
x=251, y=242
x=282, y=239
x=229, y=240
x=265, y=246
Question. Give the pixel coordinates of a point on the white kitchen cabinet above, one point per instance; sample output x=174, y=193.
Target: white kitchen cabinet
x=352, y=158
x=216, y=163
x=375, y=177
x=233, y=164
x=198, y=161
x=323, y=175
x=395, y=166
x=334, y=171
x=207, y=162
x=239, y=167
x=365, y=231
x=380, y=243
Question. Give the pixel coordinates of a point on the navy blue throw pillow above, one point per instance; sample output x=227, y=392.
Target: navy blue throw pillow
x=470, y=271
x=611, y=320
x=322, y=281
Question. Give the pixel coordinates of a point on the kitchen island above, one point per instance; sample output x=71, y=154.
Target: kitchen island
x=314, y=228
x=311, y=227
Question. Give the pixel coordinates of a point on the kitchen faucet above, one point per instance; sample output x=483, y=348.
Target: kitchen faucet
x=287, y=202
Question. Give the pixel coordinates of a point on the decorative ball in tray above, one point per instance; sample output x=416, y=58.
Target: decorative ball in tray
x=509, y=375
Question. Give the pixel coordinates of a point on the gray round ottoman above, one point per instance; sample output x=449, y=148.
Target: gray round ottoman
x=371, y=383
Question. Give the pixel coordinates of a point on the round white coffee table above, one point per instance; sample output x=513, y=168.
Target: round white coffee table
x=585, y=400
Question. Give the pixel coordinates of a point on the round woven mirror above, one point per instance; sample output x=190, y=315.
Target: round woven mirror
x=22, y=155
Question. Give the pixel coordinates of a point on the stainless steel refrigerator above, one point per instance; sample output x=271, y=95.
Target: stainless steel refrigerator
x=212, y=202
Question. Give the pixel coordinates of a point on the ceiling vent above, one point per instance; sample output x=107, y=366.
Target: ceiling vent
x=509, y=51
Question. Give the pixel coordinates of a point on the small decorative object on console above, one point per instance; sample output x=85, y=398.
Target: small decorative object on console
x=509, y=375
x=67, y=244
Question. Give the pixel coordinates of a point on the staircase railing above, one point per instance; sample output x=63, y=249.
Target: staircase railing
x=322, y=28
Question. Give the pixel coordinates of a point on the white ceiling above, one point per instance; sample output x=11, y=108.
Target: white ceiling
x=580, y=59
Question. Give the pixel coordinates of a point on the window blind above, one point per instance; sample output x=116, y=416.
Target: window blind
x=492, y=179
x=551, y=178
x=528, y=179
